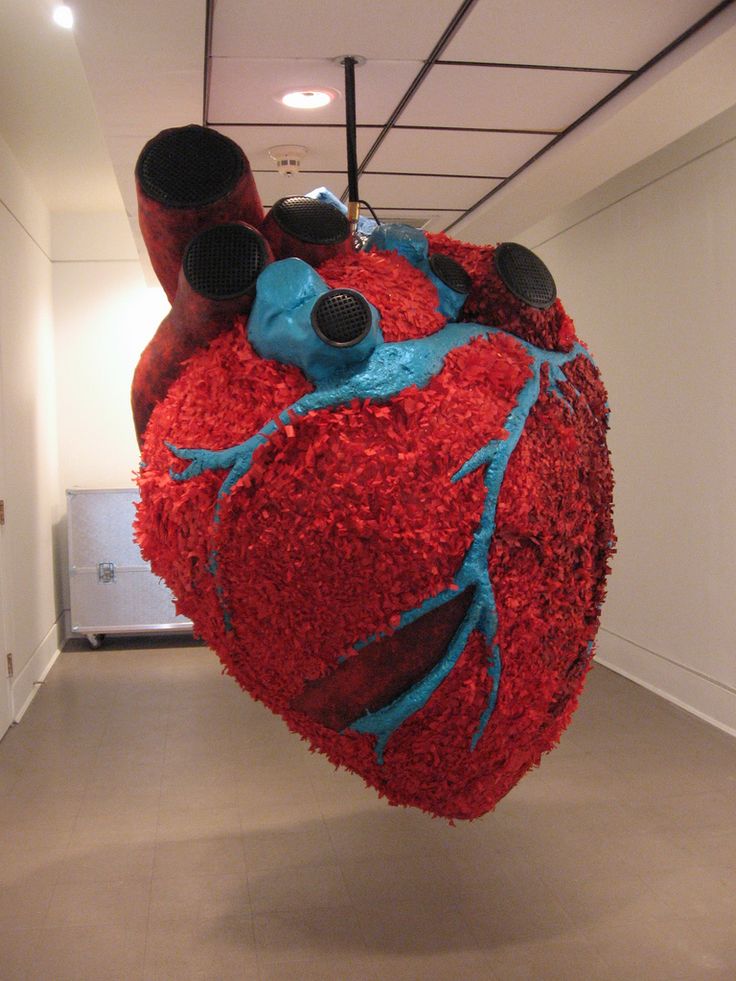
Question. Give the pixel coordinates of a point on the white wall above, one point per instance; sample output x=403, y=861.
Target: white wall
x=75, y=313
x=646, y=267
x=104, y=315
x=28, y=434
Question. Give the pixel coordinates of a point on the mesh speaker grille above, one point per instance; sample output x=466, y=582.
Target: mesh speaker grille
x=525, y=275
x=224, y=262
x=311, y=221
x=189, y=166
x=451, y=273
x=341, y=318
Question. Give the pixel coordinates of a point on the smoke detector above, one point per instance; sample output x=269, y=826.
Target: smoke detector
x=288, y=158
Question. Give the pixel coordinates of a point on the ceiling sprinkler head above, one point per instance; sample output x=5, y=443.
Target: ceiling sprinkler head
x=288, y=158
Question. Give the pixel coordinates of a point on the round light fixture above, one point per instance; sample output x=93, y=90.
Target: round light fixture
x=307, y=98
x=64, y=16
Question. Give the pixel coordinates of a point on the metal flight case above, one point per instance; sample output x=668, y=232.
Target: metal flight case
x=112, y=589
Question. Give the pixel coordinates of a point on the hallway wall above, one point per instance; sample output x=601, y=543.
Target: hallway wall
x=104, y=315
x=645, y=265
x=28, y=433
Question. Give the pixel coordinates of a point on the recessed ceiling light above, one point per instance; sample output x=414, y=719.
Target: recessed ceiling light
x=64, y=16
x=307, y=98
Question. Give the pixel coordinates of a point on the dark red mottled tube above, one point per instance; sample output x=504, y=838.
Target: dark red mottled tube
x=510, y=286
x=216, y=282
x=307, y=229
x=189, y=178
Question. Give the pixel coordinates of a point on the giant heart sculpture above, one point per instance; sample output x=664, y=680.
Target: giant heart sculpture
x=377, y=481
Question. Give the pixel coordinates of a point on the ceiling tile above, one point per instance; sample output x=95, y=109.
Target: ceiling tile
x=455, y=152
x=273, y=186
x=505, y=98
x=131, y=109
x=247, y=90
x=439, y=222
x=138, y=35
x=326, y=148
x=594, y=33
x=329, y=28
x=426, y=218
x=124, y=152
x=430, y=193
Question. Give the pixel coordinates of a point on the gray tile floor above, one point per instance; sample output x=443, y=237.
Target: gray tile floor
x=157, y=824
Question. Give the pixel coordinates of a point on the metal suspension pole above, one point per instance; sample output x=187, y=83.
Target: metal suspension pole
x=349, y=64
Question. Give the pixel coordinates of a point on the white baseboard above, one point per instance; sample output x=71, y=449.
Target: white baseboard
x=25, y=685
x=705, y=697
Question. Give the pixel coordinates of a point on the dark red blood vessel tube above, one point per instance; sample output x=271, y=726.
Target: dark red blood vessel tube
x=189, y=178
x=383, y=669
x=510, y=285
x=304, y=228
x=216, y=282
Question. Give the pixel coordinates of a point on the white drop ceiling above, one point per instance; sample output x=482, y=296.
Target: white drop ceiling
x=499, y=81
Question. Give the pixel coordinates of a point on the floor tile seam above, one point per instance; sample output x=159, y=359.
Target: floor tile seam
x=60, y=863
x=252, y=874
x=652, y=782
x=319, y=908
x=339, y=862
x=679, y=854
x=604, y=951
x=570, y=926
x=636, y=878
x=149, y=913
x=242, y=875
x=191, y=874
x=45, y=915
x=473, y=945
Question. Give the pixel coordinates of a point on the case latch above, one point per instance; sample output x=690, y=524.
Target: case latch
x=106, y=572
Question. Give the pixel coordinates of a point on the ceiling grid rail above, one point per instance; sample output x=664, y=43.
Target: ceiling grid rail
x=435, y=59
x=693, y=29
x=447, y=35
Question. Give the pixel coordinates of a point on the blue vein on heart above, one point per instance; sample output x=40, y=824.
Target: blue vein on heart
x=392, y=368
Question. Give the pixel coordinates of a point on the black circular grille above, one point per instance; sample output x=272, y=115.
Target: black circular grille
x=451, y=273
x=224, y=261
x=311, y=221
x=189, y=166
x=341, y=318
x=525, y=275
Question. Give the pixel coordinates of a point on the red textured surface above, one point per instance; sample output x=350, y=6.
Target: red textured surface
x=384, y=669
x=490, y=302
x=348, y=518
x=228, y=391
x=193, y=322
x=329, y=543
x=547, y=564
x=376, y=529
x=404, y=296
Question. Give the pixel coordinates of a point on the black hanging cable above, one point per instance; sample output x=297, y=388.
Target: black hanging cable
x=367, y=205
x=349, y=63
